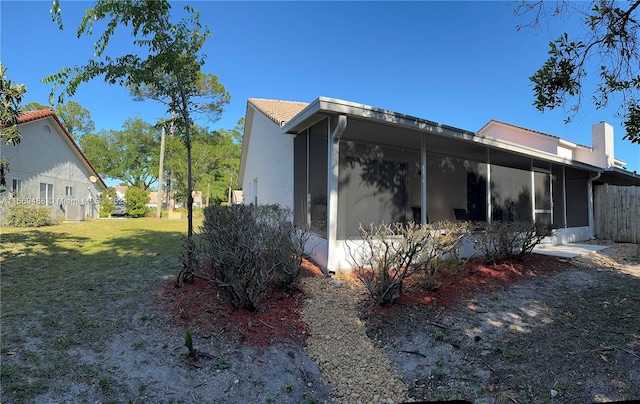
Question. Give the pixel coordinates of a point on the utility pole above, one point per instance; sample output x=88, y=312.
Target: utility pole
x=169, y=205
x=159, y=198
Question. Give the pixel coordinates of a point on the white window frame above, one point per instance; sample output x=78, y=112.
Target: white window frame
x=16, y=186
x=48, y=193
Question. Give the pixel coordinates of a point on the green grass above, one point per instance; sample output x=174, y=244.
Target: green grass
x=73, y=285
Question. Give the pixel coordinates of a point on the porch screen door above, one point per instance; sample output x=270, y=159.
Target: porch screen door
x=542, y=193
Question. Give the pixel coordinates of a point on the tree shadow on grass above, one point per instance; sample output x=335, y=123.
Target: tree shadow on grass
x=35, y=243
x=142, y=242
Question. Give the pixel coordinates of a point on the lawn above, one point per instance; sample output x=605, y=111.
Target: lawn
x=59, y=289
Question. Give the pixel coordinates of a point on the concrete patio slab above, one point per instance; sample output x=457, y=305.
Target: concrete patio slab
x=571, y=250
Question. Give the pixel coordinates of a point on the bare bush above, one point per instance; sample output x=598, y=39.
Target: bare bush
x=247, y=249
x=391, y=253
x=501, y=240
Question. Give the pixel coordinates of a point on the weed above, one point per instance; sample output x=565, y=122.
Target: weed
x=107, y=384
x=311, y=399
x=440, y=336
x=188, y=342
x=222, y=362
x=138, y=345
x=288, y=387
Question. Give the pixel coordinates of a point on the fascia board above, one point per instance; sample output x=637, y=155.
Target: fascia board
x=246, y=137
x=331, y=106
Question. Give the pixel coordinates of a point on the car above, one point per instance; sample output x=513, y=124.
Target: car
x=119, y=210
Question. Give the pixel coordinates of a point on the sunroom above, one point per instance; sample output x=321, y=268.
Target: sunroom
x=356, y=165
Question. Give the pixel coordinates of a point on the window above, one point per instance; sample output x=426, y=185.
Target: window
x=68, y=191
x=16, y=186
x=46, y=193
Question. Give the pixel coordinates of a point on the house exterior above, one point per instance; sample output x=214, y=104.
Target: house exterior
x=337, y=164
x=49, y=169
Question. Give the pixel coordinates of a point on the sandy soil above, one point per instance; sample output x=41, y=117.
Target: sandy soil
x=568, y=334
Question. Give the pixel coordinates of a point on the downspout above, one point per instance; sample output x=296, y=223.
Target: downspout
x=332, y=191
x=590, y=207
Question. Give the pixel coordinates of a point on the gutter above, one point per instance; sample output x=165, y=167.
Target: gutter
x=590, y=207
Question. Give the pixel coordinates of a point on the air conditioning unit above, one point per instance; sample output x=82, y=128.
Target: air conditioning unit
x=74, y=212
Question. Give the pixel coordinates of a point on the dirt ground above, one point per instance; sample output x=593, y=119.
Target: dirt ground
x=548, y=330
x=573, y=336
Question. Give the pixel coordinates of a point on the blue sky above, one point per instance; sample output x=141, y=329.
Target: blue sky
x=457, y=63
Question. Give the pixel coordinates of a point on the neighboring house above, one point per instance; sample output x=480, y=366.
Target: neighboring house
x=121, y=191
x=49, y=169
x=236, y=198
x=338, y=164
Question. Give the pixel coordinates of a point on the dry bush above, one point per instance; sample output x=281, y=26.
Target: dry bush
x=501, y=240
x=249, y=250
x=391, y=253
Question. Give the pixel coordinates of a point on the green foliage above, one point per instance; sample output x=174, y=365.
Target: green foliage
x=388, y=254
x=188, y=343
x=10, y=98
x=170, y=74
x=222, y=362
x=215, y=160
x=130, y=155
x=107, y=206
x=198, y=213
x=610, y=49
x=135, y=203
x=249, y=250
x=75, y=118
x=22, y=215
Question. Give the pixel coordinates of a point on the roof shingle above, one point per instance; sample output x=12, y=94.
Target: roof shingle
x=278, y=111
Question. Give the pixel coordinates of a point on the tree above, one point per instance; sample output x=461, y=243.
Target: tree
x=171, y=70
x=75, y=118
x=11, y=96
x=130, y=155
x=135, y=202
x=611, y=48
x=107, y=205
x=215, y=157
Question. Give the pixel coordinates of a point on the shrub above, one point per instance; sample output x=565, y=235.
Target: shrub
x=501, y=240
x=198, y=212
x=21, y=215
x=249, y=250
x=135, y=203
x=107, y=206
x=390, y=254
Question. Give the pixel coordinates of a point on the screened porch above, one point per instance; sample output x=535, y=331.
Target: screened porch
x=388, y=173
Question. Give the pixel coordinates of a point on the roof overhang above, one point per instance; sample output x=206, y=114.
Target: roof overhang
x=31, y=116
x=619, y=176
x=324, y=107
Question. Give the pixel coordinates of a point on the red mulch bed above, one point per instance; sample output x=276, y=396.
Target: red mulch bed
x=453, y=288
x=203, y=307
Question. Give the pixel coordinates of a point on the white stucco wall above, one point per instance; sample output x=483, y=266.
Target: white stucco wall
x=45, y=155
x=269, y=159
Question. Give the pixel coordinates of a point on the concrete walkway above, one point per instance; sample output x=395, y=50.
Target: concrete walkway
x=570, y=250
